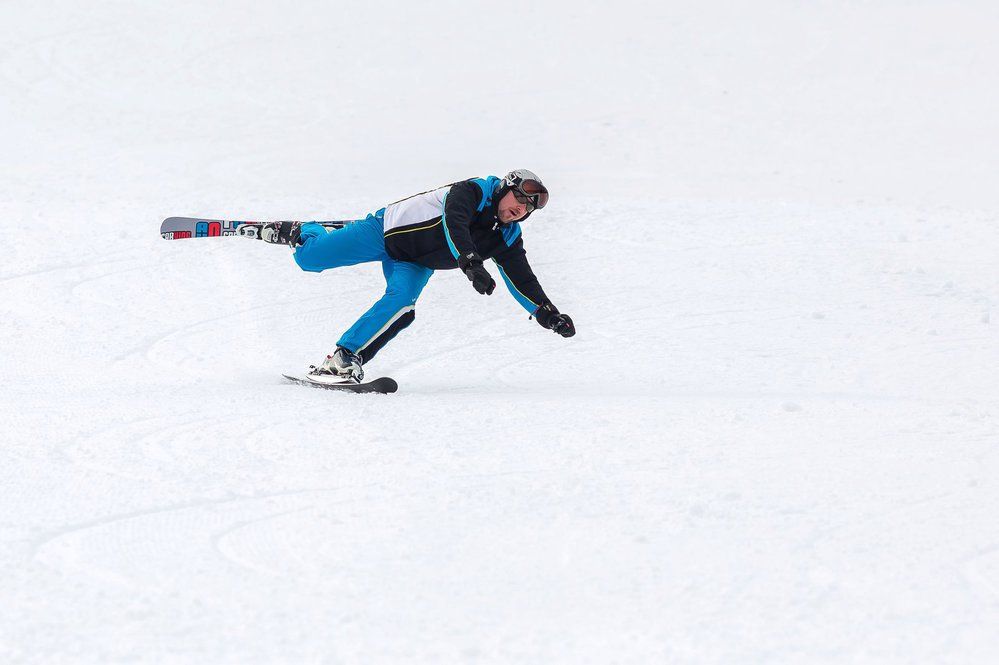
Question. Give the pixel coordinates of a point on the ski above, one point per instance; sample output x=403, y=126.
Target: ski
x=175, y=228
x=382, y=385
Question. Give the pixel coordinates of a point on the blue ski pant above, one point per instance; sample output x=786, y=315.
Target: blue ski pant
x=361, y=242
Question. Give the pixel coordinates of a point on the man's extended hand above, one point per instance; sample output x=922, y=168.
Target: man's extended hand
x=548, y=316
x=471, y=265
x=563, y=325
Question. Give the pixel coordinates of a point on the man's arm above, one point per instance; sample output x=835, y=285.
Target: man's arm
x=524, y=286
x=461, y=204
x=519, y=277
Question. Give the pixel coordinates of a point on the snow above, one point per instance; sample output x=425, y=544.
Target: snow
x=772, y=440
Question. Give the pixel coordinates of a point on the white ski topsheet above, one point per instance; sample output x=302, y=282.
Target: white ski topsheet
x=772, y=440
x=175, y=228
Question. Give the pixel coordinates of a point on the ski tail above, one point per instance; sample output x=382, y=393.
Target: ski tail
x=176, y=228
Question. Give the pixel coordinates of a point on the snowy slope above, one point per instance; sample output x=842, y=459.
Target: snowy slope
x=773, y=439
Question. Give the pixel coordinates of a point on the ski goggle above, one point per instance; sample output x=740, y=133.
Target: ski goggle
x=531, y=193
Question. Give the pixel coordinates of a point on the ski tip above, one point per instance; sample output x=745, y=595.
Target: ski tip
x=388, y=384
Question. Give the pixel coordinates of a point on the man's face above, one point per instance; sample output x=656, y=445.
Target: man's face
x=510, y=209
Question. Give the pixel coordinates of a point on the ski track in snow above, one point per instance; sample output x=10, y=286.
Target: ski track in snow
x=773, y=438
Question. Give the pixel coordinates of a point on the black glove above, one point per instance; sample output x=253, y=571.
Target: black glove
x=549, y=317
x=471, y=265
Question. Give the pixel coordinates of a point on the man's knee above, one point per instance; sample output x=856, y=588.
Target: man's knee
x=402, y=294
x=404, y=290
x=307, y=254
x=306, y=260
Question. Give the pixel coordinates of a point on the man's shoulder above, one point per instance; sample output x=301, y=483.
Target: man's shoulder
x=481, y=183
x=477, y=190
x=486, y=185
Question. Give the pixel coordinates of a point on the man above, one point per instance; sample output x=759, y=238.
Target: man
x=456, y=226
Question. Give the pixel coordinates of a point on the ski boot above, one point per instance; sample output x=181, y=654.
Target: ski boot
x=343, y=366
x=276, y=233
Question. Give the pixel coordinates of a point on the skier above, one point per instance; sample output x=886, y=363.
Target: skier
x=455, y=226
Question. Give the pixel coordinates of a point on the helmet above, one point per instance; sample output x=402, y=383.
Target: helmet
x=527, y=187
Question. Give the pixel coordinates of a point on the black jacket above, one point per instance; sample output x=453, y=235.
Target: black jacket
x=465, y=221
